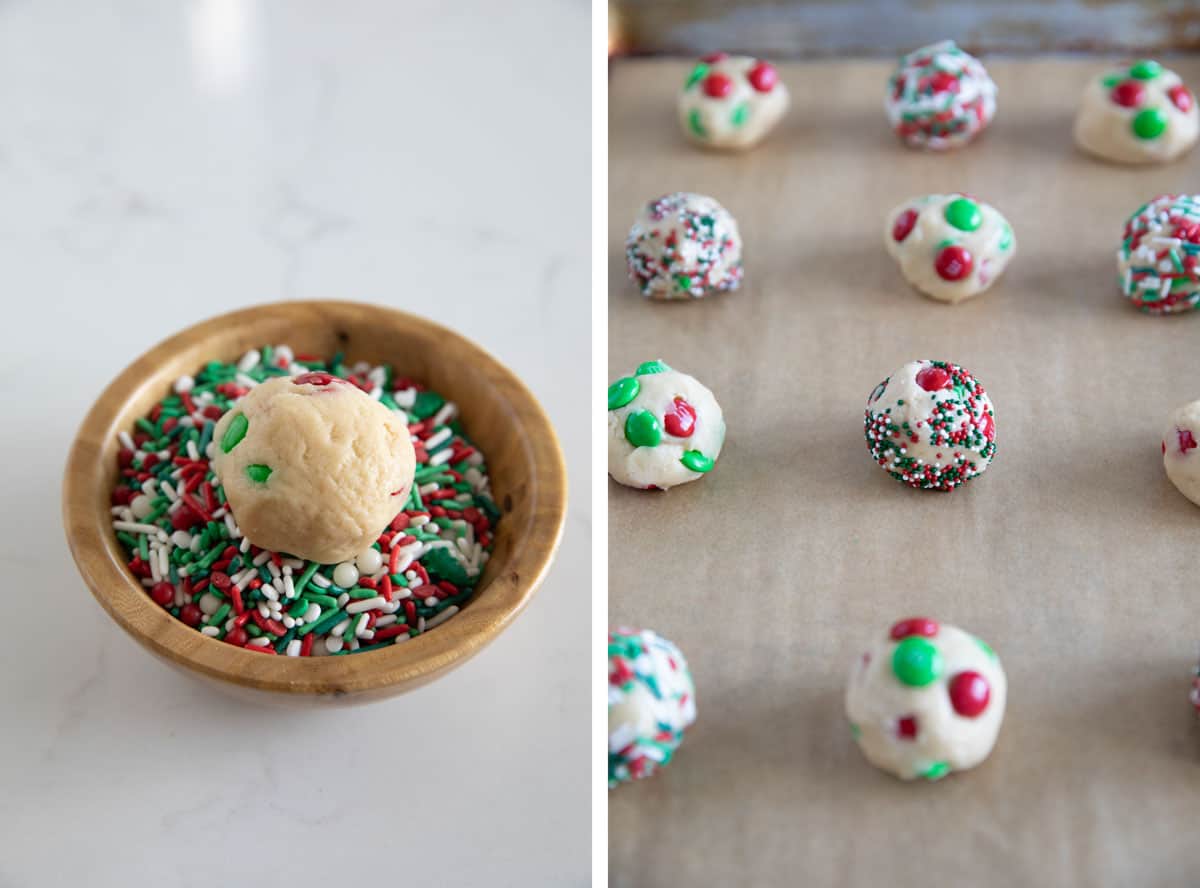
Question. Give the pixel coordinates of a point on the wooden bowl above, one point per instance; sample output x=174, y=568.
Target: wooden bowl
x=498, y=413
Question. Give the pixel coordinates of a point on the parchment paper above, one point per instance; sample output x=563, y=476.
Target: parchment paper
x=1073, y=555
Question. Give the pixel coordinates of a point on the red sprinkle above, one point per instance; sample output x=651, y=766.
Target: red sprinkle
x=1186, y=440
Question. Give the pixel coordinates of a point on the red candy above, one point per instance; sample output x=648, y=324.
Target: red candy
x=933, y=379
x=717, y=85
x=763, y=77
x=237, y=636
x=680, y=419
x=969, y=694
x=313, y=379
x=906, y=728
x=163, y=594
x=1181, y=96
x=190, y=614
x=904, y=225
x=713, y=57
x=914, y=626
x=954, y=263
x=1186, y=440
x=1128, y=94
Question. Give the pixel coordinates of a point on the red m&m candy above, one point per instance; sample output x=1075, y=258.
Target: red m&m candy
x=717, y=85
x=933, y=379
x=763, y=77
x=904, y=225
x=969, y=694
x=922, y=626
x=954, y=263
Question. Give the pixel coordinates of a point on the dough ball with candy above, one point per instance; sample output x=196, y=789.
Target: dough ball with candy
x=1158, y=262
x=926, y=699
x=664, y=428
x=949, y=246
x=1140, y=114
x=312, y=466
x=940, y=97
x=651, y=701
x=684, y=246
x=1181, y=450
x=731, y=101
x=931, y=425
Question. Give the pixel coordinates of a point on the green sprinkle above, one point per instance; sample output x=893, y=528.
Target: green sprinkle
x=642, y=429
x=234, y=433
x=651, y=367
x=622, y=392
x=696, y=461
x=258, y=473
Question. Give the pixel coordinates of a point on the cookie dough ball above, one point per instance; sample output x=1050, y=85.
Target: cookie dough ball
x=949, y=246
x=1180, y=453
x=926, y=699
x=731, y=102
x=312, y=466
x=940, y=97
x=684, y=246
x=651, y=701
x=1194, y=693
x=931, y=425
x=1141, y=115
x=1160, y=253
x=664, y=428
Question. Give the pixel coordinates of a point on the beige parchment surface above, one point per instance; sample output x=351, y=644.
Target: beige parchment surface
x=1073, y=555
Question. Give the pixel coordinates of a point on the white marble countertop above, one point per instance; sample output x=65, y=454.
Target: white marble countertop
x=161, y=163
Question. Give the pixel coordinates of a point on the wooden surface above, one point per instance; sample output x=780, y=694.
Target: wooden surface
x=790, y=29
x=498, y=413
x=1073, y=555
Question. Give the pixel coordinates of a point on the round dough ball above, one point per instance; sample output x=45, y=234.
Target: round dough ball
x=1159, y=257
x=949, y=246
x=1194, y=692
x=926, y=699
x=1143, y=114
x=684, y=246
x=312, y=466
x=1181, y=450
x=931, y=425
x=651, y=701
x=940, y=97
x=731, y=102
x=664, y=428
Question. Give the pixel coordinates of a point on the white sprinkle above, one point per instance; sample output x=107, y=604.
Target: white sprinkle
x=249, y=361
x=183, y=384
x=134, y=527
x=245, y=381
x=274, y=571
x=333, y=643
x=434, y=441
x=402, y=637
x=365, y=604
x=376, y=393
x=340, y=628
x=284, y=353
x=293, y=648
x=261, y=558
x=343, y=598
x=141, y=506
x=345, y=575
x=440, y=617
x=169, y=492
x=269, y=591
x=448, y=412
x=320, y=580
x=426, y=489
x=289, y=585
x=405, y=398
x=431, y=601
x=419, y=520
x=385, y=620
x=361, y=626
x=193, y=451
x=261, y=642
x=441, y=457
x=420, y=624
x=126, y=441
x=313, y=613
x=210, y=631
x=233, y=528
x=209, y=604
x=289, y=621
x=244, y=547
x=263, y=610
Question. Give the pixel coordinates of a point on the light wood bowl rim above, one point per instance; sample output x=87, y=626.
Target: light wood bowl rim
x=101, y=563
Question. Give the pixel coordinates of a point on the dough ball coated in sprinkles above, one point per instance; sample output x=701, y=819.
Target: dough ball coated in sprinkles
x=949, y=246
x=1137, y=115
x=931, y=425
x=940, y=97
x=1158, y=262
x=684, y=246
x=731, y=102
x=651, y=701
x=664, y=428
x=926, y=699
x=313, y=466
x=1181, y=450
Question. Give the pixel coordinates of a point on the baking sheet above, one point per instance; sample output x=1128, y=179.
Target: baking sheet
x=1072, y=555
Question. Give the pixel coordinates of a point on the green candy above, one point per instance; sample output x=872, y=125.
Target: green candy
x=642, y=429
x=1111, y=80
x=963, y=214
x=985, y=647
x=696, y=124
x=698, y=73
x=622, y=392
x=740, y=115
x=1146, y=69
x=1006, y=238
x=234, y=434
x=651, y=367
x=936, y=771
x=696, y=461
x=1149, y=124
x=916, y=662
x=258, y=473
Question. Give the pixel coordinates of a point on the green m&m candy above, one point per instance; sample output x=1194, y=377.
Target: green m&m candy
x=1149, y=124
x=696, y=461
x=963, y=213
x=916, y=662
x=642, y=429
x=1146, y=69
x=650, y=367
x=622, y=392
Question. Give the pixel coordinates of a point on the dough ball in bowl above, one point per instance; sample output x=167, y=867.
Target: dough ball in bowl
x=312, y=466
